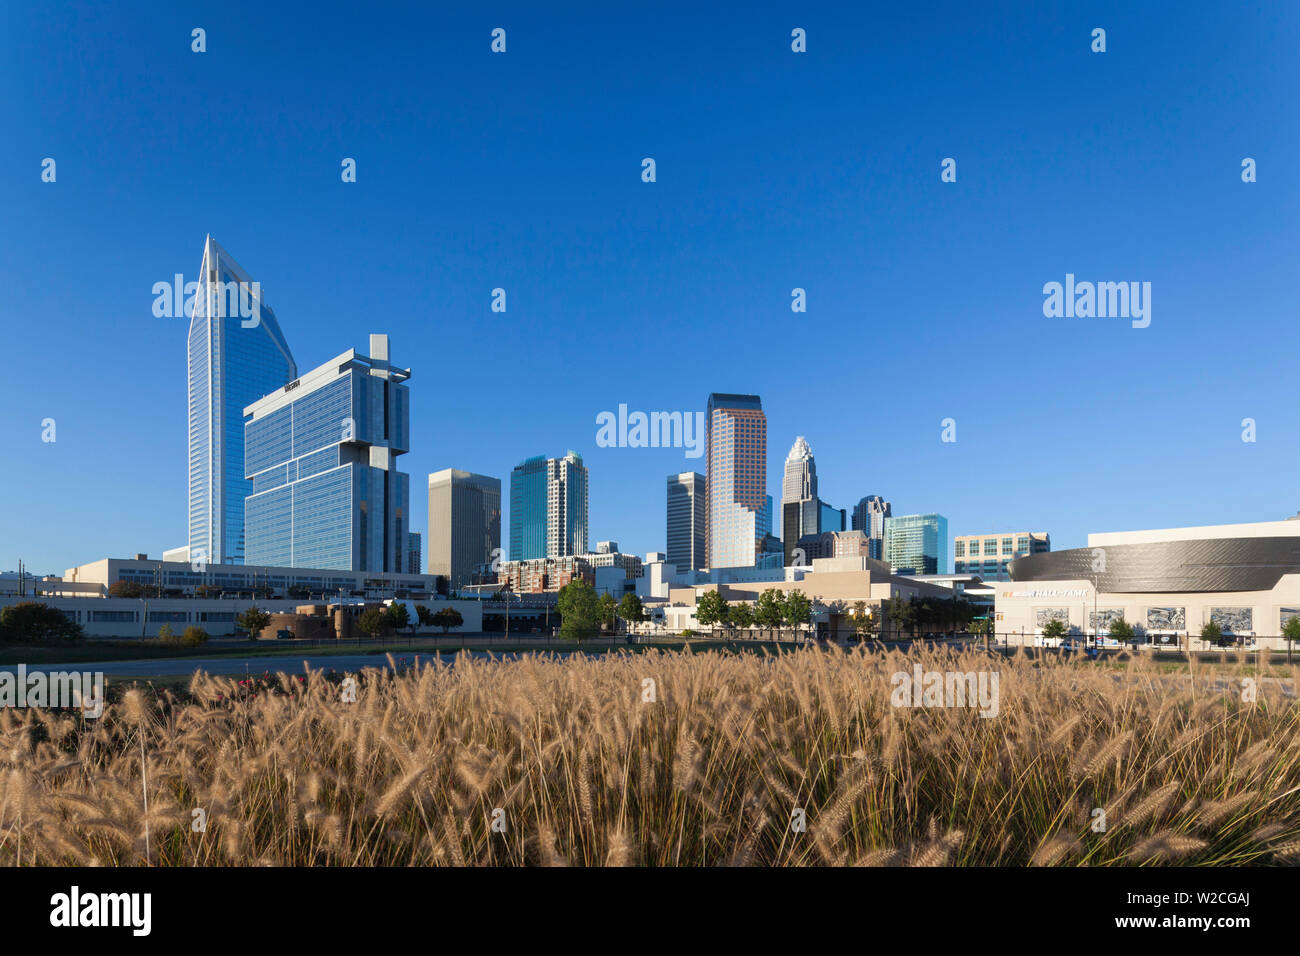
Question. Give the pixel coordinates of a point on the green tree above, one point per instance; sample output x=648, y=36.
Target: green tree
x=1211, y=633
x=579, y=610
x=447, y=618
x=742, y=615
x=398, y=616
x=770, y=609
x=373, y=621
x=982, y=629
x=608, y=610
x=1291, y=631
x=166, y=635
x=711, y=609
x=798, y=609
x=864, y=621
x=1054, y=629
x=1121, y=630
x=126, y=589
x=254, y=621
x=630, y=609
x=901, y=613
x=425, y=616
x=31, y=622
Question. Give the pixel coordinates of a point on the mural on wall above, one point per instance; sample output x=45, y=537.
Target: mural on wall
x=1044, y=614
x=1287, y=614
x=1166, y=619
x=1104, y=618
x=1233, y=620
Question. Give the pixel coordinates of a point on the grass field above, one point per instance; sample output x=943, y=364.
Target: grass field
x=664, y=758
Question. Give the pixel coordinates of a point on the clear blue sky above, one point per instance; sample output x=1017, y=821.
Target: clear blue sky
x=775, y=170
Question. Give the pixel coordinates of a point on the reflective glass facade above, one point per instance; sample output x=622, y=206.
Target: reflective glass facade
x=320, y=456
x=548, y=508
x=917, y=544
x=233, y=361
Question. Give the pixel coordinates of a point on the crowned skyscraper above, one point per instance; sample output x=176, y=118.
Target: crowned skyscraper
x=236, y=354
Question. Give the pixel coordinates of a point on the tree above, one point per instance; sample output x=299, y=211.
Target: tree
x=630, y=609
x=426, y=617
x=1211, y=633
x=798, y=610
x=579, y=610
x=982, y=629
x=711, y=609
x=398, y=616
x=31, y=622
x=1054, y=629
x=770, y=609
x=742, y=615
x=1291, y=631
x=864, y=622
x=1120, y=629
x=194, y=636
x=608, y=610
x=254, y=621
x=373, y=621
x=126, y=589
x=166, y=635
x=447, y=618
x=901, y=613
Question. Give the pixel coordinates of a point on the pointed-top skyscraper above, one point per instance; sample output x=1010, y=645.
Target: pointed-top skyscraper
x=237, y=354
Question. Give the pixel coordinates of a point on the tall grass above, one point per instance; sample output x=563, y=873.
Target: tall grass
x=587, y=772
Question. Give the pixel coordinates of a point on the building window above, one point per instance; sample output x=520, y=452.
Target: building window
x=960, y=549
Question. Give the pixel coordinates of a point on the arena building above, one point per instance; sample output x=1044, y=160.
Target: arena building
x=1168, y=584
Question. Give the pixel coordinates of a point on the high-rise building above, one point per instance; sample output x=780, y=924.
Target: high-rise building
x=413, y=553
x=802, y=511
x=990, y=555
x=321, y=454
x=869, y=517
x=686, y=505
x=917, y=544
x=548, y=508
x=234, y=359
x=737, y=503
x=464, y=524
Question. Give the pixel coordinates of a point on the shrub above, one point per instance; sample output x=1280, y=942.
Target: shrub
x=31, y=622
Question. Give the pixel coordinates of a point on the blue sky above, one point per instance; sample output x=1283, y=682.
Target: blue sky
x=775, y=170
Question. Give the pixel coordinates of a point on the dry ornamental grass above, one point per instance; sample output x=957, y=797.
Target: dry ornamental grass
x=564, y=761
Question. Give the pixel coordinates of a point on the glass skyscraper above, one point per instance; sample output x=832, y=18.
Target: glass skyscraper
x=738, y=512
x=686, y=521
x=917, y=544
x=548, y=508
x=321, y=455
x=869, y=517
x=233, y=361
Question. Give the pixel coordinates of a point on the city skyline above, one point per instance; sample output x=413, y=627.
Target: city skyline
x=461, y=190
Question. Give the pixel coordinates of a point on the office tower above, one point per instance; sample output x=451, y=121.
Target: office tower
x=917, y=544
x=802, y=511
x=464, y=524
x=606, y=547
x=737, y=503
x=236, y=354
x=686, y=520
x=869, y=517
x=548, y=508
x=990, y=555
x=413, y=553
x=321, y=454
